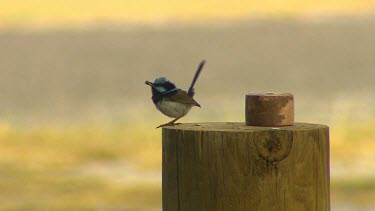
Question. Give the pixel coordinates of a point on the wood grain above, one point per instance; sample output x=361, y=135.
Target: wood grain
x=234, y=167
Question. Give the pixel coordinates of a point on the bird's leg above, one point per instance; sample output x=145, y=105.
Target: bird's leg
x=171, y=123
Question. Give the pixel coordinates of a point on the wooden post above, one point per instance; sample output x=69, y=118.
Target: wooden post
x=235, y=167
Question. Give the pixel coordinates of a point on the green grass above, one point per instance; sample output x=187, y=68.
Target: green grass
x=49, y=169
x=355, y=191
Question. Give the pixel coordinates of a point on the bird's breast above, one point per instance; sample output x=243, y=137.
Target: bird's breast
x=173, y=109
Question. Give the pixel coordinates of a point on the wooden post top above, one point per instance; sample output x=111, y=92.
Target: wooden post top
x=269, y=109
x=239, y=127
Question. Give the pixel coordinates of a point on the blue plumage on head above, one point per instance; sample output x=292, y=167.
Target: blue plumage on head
x=162, y=85
x=160, y=80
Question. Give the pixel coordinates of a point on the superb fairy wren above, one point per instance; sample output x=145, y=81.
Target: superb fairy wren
x=172, y=101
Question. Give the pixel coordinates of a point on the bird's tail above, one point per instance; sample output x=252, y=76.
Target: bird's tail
x=200, y=67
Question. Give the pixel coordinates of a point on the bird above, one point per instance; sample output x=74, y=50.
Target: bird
x=171, y=100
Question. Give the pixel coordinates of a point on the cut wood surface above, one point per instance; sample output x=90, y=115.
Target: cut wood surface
x=234, y=167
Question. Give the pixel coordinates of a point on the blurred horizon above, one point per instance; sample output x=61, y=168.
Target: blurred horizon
x=68, y=75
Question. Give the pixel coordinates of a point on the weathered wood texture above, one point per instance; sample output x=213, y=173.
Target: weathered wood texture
x=234, y=167
x=269, y=109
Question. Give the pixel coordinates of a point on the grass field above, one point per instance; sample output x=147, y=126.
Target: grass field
x=77, y=123
x=79, y=169
x=91, y=168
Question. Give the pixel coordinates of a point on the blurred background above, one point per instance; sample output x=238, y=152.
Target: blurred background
x=77, y=125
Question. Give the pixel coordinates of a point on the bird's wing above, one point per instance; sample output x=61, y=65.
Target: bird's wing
x=183, y=97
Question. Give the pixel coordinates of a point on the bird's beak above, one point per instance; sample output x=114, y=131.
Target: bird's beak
x=149, y=83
